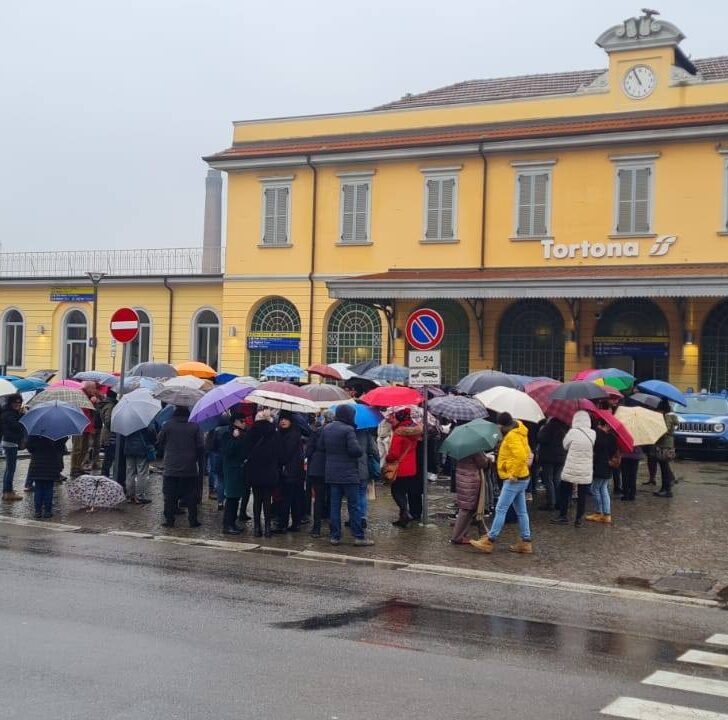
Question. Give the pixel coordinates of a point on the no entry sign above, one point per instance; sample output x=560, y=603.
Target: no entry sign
x=124, y=325
x=425, y=329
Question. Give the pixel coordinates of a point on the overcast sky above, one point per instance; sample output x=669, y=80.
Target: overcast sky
x=107, y=107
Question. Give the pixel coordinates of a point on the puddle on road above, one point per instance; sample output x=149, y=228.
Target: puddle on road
x=470, y=635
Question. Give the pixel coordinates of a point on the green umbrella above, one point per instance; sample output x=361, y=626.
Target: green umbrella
x=475, y=436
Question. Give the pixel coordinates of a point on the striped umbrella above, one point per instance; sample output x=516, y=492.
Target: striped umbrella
x=457, y=407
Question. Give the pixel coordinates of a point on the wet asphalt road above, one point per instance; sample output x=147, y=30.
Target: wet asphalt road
x=97, y=626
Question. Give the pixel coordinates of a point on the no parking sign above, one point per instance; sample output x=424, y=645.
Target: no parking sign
x=425, y=329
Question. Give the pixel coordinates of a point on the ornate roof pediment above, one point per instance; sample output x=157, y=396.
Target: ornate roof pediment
x=640, y=32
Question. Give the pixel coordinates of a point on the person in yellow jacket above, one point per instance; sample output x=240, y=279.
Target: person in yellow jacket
x=513, y=463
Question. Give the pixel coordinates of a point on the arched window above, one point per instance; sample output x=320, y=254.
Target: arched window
x=275, y=335
x=75, y=342
x=140, y=348
x=354, y=334
x=13, y=339
x=207, y=338
x=531, y=340
x=455, y=345
x=714, y=350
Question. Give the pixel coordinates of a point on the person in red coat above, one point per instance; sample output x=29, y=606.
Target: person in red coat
x=407, y=487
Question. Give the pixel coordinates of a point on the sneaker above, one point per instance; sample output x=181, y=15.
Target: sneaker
x=559, y=521
x=363, y=542
x=663, y=494
x=231, y=531
x=335, y=541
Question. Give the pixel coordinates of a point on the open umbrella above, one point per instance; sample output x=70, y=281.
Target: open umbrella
x=135, y=382
x=564, y=409
x=663, y=390
x=286, y=371
x=520, y=380
x=67, y=383
x=133, y=412
x=475, y=436
x=63, y=394
x=583, y=374
x=363, y=367
x=579, y=390
x=510, y=400
x=541, y=391
x=198, y=369
x=365, y=417
x=613, y=377
x=457, y=407
x=54, y=420
x=649, y=401
x=218, y=400
x=283, y=388
x=94, y=491
x=645, y=426
x=343, y=369
x=247, y=380
x=282, y=401
x=44, y=375
x=388, y=373
x=225, y=377
x=325, y=395
x=484, y=380
x=393, y=395
x=153, y=370
x=188, y=381
x=182, y=396
x=325, y=371
x=24, y=385
x=97, y=376
x=624, y=438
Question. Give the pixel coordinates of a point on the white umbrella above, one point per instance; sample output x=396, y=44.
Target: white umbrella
x=247, y=380
x=326, y=395
x=281, y=401
x=133, y=412
x=510, y=400
x=186, y=381
x=645, y=426
x=343, y=370
x=7, y=388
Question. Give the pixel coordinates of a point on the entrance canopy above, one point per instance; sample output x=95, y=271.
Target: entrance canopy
x=615, y=281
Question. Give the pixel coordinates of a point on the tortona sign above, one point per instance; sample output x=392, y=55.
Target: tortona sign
x=610, y=249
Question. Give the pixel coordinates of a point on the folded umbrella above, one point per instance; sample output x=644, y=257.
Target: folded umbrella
x=663, y=390
x=325, y=395
x=54, y=420
x=282, y=401
x=484, y=380
x=63, y=394
x=473, y=437
x=153, y=370
x=218, y=400
x=388, y=373
x=579, y=390
x=198, y=369
x=649, y=401
x=365, y=417
x=325, y=371
x=286, y=371
x=94, y=491
x=510, y=400
x=541, y=391
x=136, y=382
x=645, y=426
x=133, y=412
x=182, y=396
x=457, y=407
x=393, y=395
x=625, y=441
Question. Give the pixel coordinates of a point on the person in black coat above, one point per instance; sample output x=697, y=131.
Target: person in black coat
x=551, y=456
x=316, y=468
x=46, y=464
x=181, y=444
x=261, y=463
x=13, y=434
x=292, y=474
x=342, y=473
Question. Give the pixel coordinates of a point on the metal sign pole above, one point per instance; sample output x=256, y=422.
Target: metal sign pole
x=425, y=503
x=117, y=444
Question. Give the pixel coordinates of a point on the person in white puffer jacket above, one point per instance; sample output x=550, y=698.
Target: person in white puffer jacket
x=579, y=446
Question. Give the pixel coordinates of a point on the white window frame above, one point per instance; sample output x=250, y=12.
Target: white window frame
x=355, y=178
x=3, y=329
x=150, y=324
x=193, y=333
x=724, y=204
x=634, y=162
x=64, y=339
x=441, y=173
x=273, y=183
x=532, y=168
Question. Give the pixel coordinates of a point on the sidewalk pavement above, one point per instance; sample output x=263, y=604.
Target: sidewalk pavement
x=650, y=538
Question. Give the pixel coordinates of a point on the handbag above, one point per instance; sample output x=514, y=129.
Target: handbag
x=390, y=470
x=665, y=454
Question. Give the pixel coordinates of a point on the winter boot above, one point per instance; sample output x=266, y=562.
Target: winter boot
x=12, y=496
x=607, y=519
x=525, y=547
x=594, y=517
x=484, y=544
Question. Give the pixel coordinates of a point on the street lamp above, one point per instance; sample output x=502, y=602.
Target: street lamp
x=95, y=278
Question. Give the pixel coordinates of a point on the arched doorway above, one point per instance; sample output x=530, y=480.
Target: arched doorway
x=455, y=346
x=275, y=336
x=75, y=342
x=353, y=334
x=531, y=340
x=633, y=335
x=714, y=349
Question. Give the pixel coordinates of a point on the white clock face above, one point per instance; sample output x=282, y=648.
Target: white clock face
x=639, y=82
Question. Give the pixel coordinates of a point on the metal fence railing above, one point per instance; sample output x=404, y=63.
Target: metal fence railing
x=77, y=263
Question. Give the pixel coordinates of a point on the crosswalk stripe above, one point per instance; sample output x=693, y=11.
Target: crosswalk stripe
x=636, y=709
x=717, y=639
x=690, y=683
x=705, y=658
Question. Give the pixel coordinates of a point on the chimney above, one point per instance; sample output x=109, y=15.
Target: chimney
x=212, y=238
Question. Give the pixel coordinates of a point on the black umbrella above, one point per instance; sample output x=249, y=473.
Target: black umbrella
x=579, y=390
x=484, y=380
x=363, y=367
x=649, y=401
x=153, y=370
x=44, y=375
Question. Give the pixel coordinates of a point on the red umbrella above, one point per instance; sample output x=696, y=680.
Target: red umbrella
x=283, y=388
x=392, y=395
x=564, y=409
x=324, y=371
x=540, y=391
x=624, y=437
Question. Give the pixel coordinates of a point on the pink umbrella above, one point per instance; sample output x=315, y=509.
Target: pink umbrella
x=67, y=384
x=540, y=391
x=624, y=437
x=583, y=374
x=283, y=388
x=564, y=409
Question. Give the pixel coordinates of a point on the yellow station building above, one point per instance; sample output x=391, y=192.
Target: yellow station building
x=557, y=222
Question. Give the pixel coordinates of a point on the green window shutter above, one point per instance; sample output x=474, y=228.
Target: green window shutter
x=347, y=212
x=539, y=208
x=525, y=205
x=642, y=200
x=361, y=213
x=625, y=189
x=447, y=209
x=434, y=188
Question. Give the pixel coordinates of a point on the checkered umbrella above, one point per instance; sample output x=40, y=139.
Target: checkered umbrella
x=541, y=391
x=457, y=407
x=388, y=373
x=62, y=394
x=564, y=409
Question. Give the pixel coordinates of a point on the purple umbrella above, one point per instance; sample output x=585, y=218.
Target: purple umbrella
x=218, y=400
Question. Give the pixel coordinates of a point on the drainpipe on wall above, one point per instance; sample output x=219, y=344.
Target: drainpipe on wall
x=313, y=258
x=169, y=327
x=482, y=209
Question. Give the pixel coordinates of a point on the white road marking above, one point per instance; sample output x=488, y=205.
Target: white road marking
x=689, y=683
x=636, y=709
x=718, y=640
x=705, y=658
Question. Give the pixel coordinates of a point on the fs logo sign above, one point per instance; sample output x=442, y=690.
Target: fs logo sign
x=662, y=245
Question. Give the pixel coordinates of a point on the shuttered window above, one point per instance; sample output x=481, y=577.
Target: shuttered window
x=276, y=211
x=355, y=205
x=634, y=201
x=440, y=208
x=725, y=196
x=533, y=199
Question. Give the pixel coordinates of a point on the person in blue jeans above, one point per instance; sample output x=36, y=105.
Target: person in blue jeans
x=513, y=463
x=13, y=433
x=342, y=450
x=605, y=453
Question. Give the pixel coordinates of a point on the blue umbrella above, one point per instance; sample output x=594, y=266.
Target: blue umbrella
x=54, y=420
x=161, y=417
x=365, y=417
x=102, y=378
x=520, y=380
x=226, y=377
x=283, y=370
x=388, y=373
x=23, y=385
x=664, y=390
